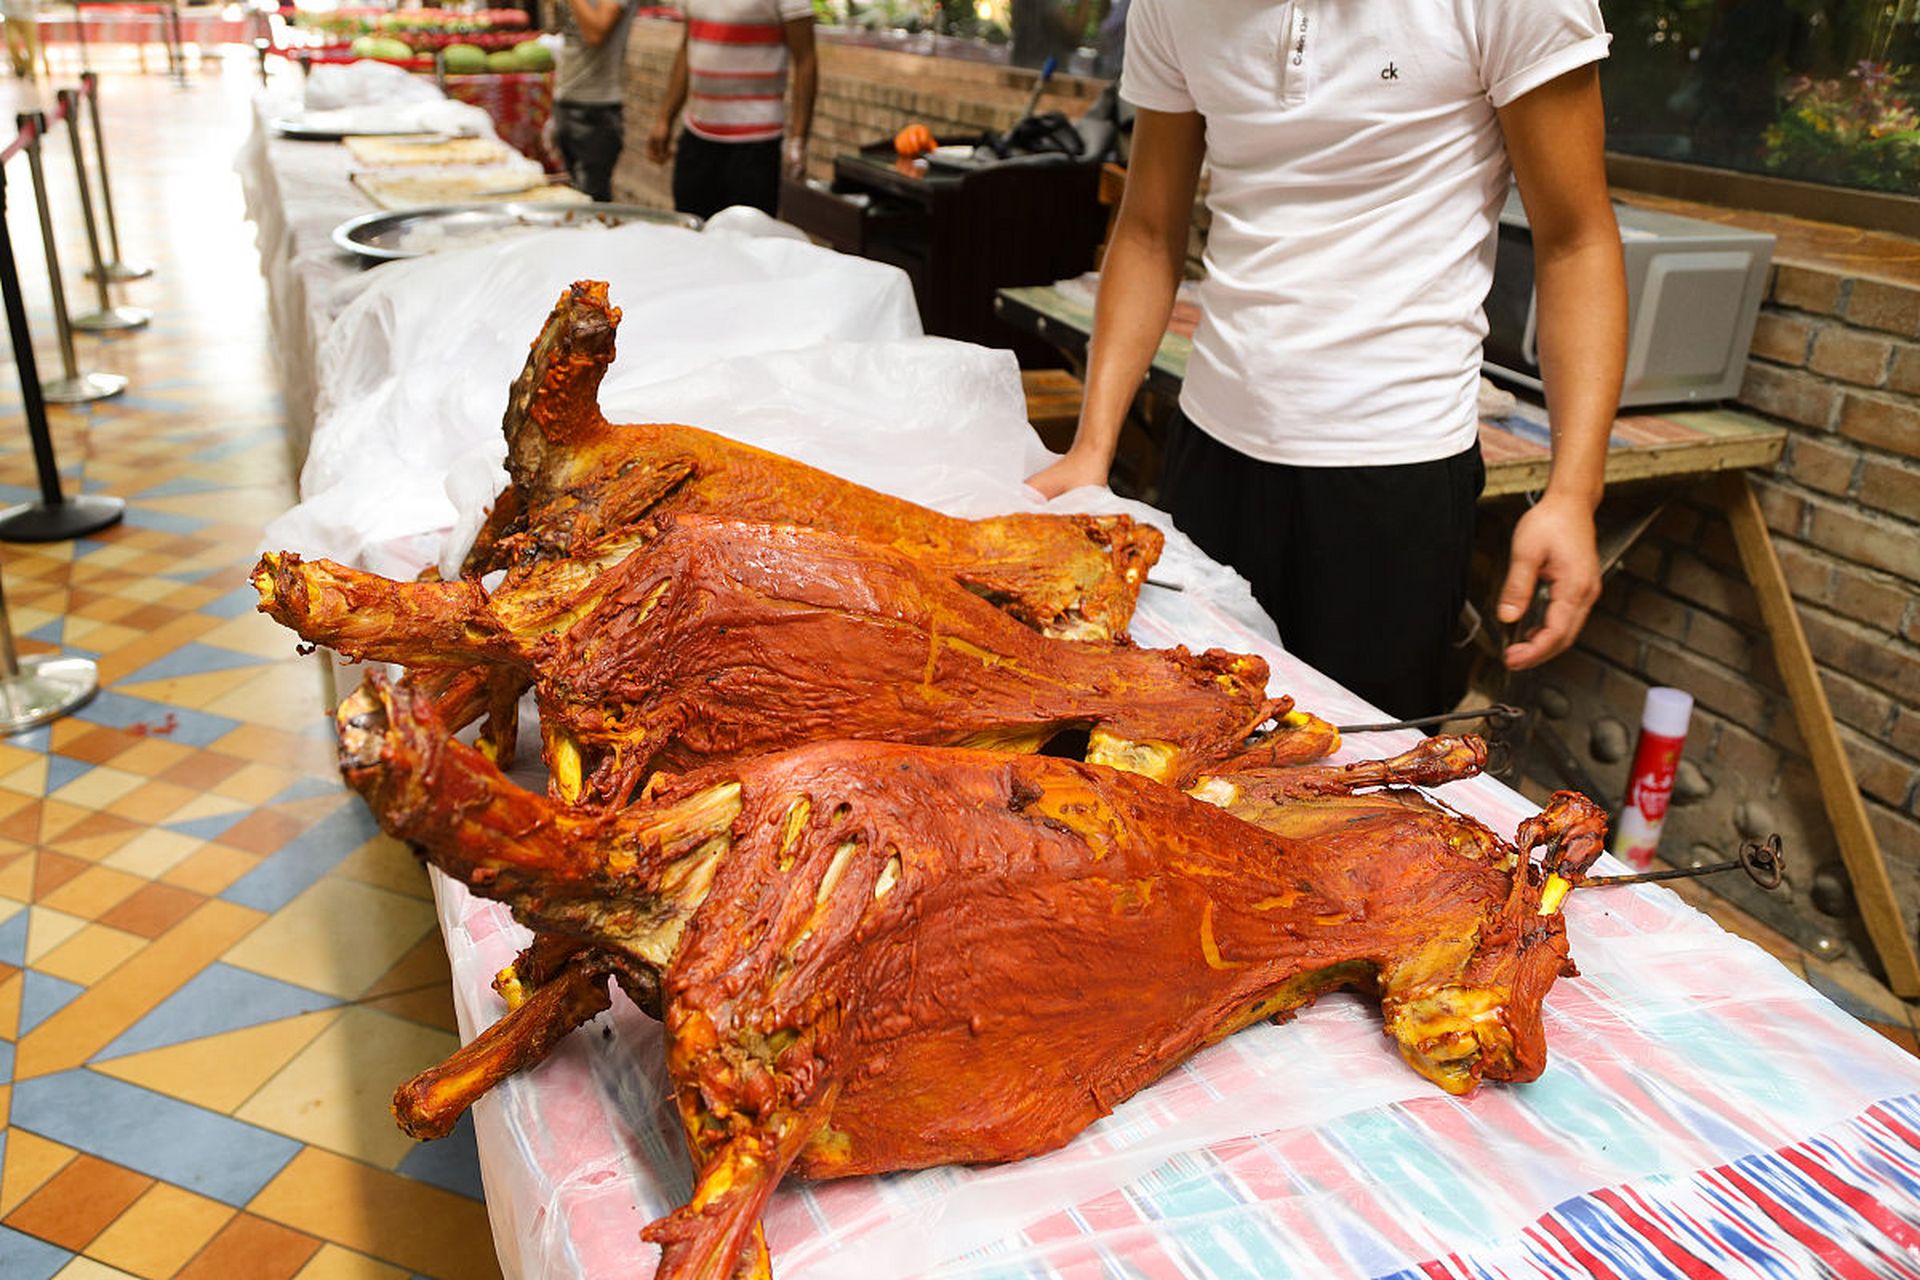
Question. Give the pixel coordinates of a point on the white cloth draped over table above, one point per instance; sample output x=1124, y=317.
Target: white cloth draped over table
x=1308, y=1149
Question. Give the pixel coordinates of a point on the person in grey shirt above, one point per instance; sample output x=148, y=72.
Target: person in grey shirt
x=587, y=125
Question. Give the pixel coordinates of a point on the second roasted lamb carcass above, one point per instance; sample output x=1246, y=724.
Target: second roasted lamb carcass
x=576, y=478
x=872, y=957
x=699, y=639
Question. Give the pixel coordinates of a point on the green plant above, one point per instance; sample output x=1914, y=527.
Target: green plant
x=1861, y=131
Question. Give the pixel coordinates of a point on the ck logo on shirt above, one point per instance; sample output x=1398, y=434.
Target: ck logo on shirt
x=1389, y=72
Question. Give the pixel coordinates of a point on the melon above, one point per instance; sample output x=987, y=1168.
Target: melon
x=464, y=59
x=533, y=56
x=502, y=60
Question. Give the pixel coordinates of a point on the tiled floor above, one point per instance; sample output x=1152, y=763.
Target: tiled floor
x=213, y=969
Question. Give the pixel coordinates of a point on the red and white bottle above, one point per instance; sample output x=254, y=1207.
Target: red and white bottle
x=1663, y=732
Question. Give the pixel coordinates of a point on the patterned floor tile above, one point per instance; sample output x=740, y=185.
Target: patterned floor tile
x=159, y=1232
x=219, y=1072
x=396, y=1219
x=250, y=1248
x=219, y=999
x=77, y=1203
x=22, y=1257
x=47, y=928
x=41, y=996
x=337, y=1092
x=335, y=1263
x=90, y=894
x=153, y=852
x=212, y=869
x=339, y=936
x=30, y=1161
x=174, y=1141
x=451, y=1163
x=119, y=1000
x=88, y=1269
x=91, y=954
x=152, y=909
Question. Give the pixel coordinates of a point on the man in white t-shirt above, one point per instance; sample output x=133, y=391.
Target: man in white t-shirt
x=731, y=76
x=1327, y=439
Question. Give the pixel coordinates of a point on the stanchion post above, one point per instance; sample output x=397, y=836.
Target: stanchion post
x=55, y=517
x=118, y=268
x=41, y=688
x=73, y=387
x=107, y=317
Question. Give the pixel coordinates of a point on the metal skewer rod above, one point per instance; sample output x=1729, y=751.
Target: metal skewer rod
x=108, y=317
x=1763, y=860
x=73, y=387
x=118, y=268
x=54, y=517
x=1499, y=716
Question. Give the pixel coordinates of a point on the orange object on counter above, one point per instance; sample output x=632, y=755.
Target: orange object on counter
x=914, y=140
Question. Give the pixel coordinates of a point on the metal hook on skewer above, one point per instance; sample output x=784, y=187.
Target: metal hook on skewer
x=1764, y=861
x=1499, y=716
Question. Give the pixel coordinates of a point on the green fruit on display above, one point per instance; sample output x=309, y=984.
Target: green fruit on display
x=502, y=60
x=464, y=59
x=362, y=46
x=533, y=56
x=388, y=47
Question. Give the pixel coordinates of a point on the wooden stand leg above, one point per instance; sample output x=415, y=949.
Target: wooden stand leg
x=1839, y=792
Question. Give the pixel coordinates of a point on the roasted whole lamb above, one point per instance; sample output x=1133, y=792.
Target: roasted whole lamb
x=575, y=478
x=696, y=639
x=873, y=957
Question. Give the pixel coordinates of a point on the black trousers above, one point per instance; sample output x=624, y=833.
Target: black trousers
x=709, y=176
x=590, y=135
x=1364, y=569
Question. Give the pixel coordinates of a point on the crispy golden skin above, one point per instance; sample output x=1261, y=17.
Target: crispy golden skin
x=700, y=639
x=575, y=478
x=874, y=957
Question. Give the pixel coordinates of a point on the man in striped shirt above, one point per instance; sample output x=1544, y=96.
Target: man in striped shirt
x=731, y=76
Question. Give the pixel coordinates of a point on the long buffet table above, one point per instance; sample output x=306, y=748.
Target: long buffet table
x=1704, y=1112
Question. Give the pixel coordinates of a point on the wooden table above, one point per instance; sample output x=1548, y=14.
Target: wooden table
x=1645, y=446
x=1677, y=446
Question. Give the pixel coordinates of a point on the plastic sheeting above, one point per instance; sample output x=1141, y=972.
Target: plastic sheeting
x=768, y=340
x=1304, y=1150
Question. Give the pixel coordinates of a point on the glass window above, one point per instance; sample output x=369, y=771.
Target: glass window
x=1817, y=90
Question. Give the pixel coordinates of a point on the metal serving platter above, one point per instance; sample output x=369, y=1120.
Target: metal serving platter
x=412, y=233
x=301, y=130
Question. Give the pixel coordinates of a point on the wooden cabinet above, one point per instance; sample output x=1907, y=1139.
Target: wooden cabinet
x=960, y=234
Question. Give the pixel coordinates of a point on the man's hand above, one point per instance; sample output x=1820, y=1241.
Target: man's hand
x=660, y=142
x=1552, y=545
x=794, y=156
x=1074, y=471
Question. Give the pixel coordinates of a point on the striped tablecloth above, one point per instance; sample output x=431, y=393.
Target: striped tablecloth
x=1704, y=1113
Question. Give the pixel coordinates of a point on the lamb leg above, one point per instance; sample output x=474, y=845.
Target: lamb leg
x=429, y=1105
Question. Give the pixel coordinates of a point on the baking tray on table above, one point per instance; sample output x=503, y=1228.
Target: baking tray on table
x=410, y=233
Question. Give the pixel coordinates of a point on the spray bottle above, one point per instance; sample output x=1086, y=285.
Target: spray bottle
x=1663, y=732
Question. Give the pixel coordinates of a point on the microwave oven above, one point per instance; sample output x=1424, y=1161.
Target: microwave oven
x=1693, y=294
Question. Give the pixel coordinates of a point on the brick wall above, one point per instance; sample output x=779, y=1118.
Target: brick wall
x=865, y=94
x=1835, y=359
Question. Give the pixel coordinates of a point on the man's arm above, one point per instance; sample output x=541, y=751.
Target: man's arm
x=1145, y=261
x=806, y=79
x=595, y=18
x=660, y=141
x=1555, y=138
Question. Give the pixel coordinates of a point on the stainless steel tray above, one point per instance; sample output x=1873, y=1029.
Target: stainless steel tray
x=303, y=131
x=410, y=233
